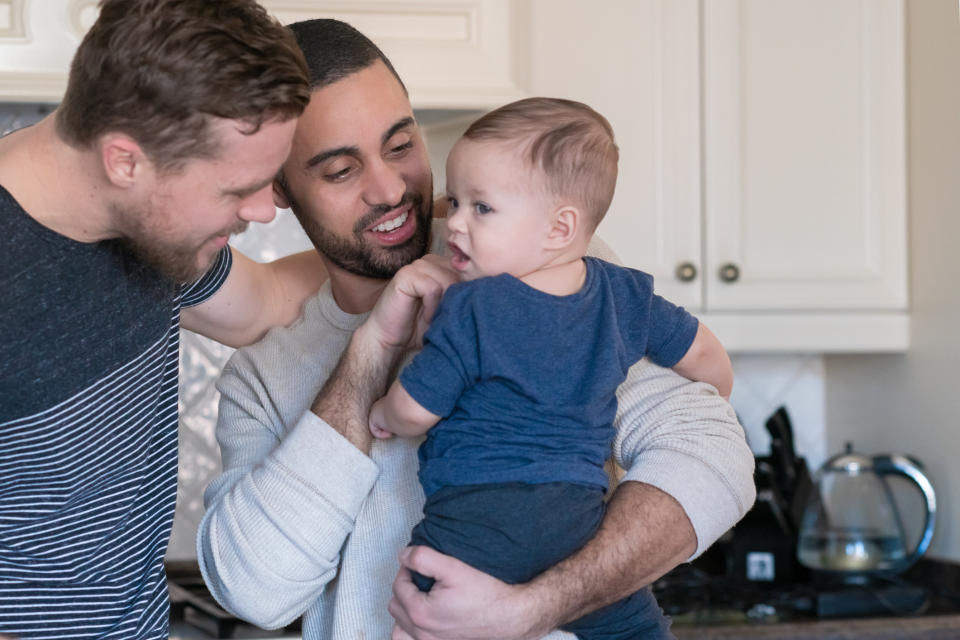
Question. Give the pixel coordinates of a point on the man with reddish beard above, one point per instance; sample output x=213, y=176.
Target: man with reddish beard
x=309, y=517
x=176, y=118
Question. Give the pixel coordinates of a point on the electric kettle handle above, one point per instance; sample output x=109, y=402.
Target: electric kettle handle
x=902, y=465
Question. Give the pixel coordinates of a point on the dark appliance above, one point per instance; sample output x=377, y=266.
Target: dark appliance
x=753, y=571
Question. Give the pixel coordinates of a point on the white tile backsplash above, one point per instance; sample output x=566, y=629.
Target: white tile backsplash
x=765, y=382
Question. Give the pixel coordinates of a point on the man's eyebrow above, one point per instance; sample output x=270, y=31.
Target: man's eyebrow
x=330, y=153
x=400, y=124
x=242, y=192
x=355, y=151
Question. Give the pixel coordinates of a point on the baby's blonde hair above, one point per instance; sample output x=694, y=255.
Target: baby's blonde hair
x=568, y=142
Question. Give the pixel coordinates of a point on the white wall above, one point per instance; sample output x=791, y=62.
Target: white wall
x=911, y=403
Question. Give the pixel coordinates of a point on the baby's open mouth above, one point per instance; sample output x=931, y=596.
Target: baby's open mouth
x=458, y=258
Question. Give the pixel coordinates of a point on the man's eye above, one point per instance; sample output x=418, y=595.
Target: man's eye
x=403, y=148
x=337, y=176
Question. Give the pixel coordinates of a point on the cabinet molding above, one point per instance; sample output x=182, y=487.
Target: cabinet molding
x=32, y=86
x=12, y=27
x=450, y=53
x=465, y=54
x=830, y=332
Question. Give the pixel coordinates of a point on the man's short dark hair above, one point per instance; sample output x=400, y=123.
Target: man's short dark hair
x=334, y=50
x=159, y=70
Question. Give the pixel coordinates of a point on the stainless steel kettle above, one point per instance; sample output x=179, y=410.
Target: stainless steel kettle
x=851, y=525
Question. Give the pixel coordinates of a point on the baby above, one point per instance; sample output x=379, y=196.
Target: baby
x=516, y=384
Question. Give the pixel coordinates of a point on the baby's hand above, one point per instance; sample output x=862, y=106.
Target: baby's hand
x=377, y=422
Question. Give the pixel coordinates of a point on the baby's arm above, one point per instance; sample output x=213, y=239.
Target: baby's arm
x=707, y=361
x=398, y=413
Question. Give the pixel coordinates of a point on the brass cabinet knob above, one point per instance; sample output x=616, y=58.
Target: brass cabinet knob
x=686, y=272
x=729, y=272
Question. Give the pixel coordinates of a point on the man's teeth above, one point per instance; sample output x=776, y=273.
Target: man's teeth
x=390, y=225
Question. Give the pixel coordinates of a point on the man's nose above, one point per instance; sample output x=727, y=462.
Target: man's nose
x=259, y=207
x=383, y=184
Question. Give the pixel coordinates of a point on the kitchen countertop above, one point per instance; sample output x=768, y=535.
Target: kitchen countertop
x=938, y=619
x=925, y=628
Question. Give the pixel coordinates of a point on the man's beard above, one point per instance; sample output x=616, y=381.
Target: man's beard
x=177, y=261
x=358, y=256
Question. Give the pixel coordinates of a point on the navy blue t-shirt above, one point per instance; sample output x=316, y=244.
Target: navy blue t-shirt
x=88, y=432
x=526, y=381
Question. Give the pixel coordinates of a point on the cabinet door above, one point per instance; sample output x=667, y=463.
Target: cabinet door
x=637, y=63
x=804, y=154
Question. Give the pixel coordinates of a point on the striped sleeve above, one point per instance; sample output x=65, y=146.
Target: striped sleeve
x=210, y=283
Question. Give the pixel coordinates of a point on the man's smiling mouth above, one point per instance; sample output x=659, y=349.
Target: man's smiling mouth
x=390, y=225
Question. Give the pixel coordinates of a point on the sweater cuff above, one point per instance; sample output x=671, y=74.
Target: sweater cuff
x=327, y=462
x=670, y=471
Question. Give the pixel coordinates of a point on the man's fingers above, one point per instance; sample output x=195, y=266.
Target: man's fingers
x=424, y=280
x=394, y=319
x=430, y=302
x=429, y=562
x=404, y=595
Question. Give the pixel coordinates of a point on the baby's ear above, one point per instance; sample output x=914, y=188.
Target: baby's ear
x=564, y=226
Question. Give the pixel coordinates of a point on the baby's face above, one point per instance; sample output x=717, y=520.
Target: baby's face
x=499, y=214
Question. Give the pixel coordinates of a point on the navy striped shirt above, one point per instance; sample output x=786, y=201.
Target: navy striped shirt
x=88, y=432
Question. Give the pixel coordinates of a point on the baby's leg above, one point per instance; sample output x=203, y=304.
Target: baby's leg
x=512, y=531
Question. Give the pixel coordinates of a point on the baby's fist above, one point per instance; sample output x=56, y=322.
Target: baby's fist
x=377, y=422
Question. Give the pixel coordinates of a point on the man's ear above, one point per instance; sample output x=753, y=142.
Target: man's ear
x=279, y=197
x=564, y=226
x=123, y=159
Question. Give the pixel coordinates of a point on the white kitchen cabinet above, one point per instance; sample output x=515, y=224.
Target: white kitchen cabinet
x=37, y=41
x=450, y=53
x=762, y=148
x=804, y=155
x=767, y=135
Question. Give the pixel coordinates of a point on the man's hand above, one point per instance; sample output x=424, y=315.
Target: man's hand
x=398, y=320
x=464, y=603
x=406, y=306
x=644, y=534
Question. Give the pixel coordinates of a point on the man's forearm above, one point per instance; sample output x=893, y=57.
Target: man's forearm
x=644, y=534
x=359, y=379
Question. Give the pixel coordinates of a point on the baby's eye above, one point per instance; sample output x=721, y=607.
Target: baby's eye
x=482, y=207
x=452, y=202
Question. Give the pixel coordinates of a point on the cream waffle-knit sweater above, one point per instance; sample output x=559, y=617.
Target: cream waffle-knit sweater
x=302, y=523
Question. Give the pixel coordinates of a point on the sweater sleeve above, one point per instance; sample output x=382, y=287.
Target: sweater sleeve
x=684, y=439
x=279, y=514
